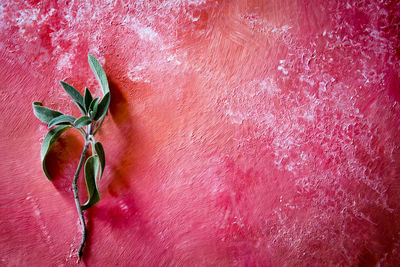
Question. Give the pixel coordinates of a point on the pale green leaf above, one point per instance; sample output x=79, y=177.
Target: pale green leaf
x=91, y=173
x=63, y=119
x=75, y=95
x=103, y=107
x=44, y=114
x=48, y=141
x=82, y=121
x=102, y=158
x=99, y=73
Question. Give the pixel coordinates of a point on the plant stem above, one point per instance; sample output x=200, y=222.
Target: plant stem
x=77, y=203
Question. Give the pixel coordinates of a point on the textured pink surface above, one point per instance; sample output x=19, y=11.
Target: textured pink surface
x=242, y=133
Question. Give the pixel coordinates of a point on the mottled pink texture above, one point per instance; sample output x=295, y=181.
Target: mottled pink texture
x=241, y=133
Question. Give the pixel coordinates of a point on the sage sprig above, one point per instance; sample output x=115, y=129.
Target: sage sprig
x=93, y=112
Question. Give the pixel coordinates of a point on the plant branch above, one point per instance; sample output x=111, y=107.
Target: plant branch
x=60, y=122
x=77, y=203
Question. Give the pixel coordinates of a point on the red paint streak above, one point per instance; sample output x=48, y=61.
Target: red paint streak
x=257, y=133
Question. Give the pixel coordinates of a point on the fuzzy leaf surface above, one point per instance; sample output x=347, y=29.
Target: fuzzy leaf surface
x=99, y=73
x=75, y=95
x=93, y=106
x=62, y=119
x=82, y=121
x=44, y=114
x=103, y=107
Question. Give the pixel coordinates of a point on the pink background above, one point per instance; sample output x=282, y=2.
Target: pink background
x=241, y=133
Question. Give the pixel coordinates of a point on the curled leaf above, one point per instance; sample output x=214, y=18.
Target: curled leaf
x=75, y=95
x=62, y=119
x=82, y=121
x=91, y=173
x=102, y=157
x=87, y=98
x=44, y=114
x=103, y=107
x=48, y=141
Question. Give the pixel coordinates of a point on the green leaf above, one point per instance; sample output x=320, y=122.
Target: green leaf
x=75, y=95
x=99, y=73
x=103, y=107
x=62, y=119
x=48, y=141
x=93, y=107
x=44, y=114
x=102, y=158
x=93, y=104
x=91, y=173
x=88, y=99
x=82, y=121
